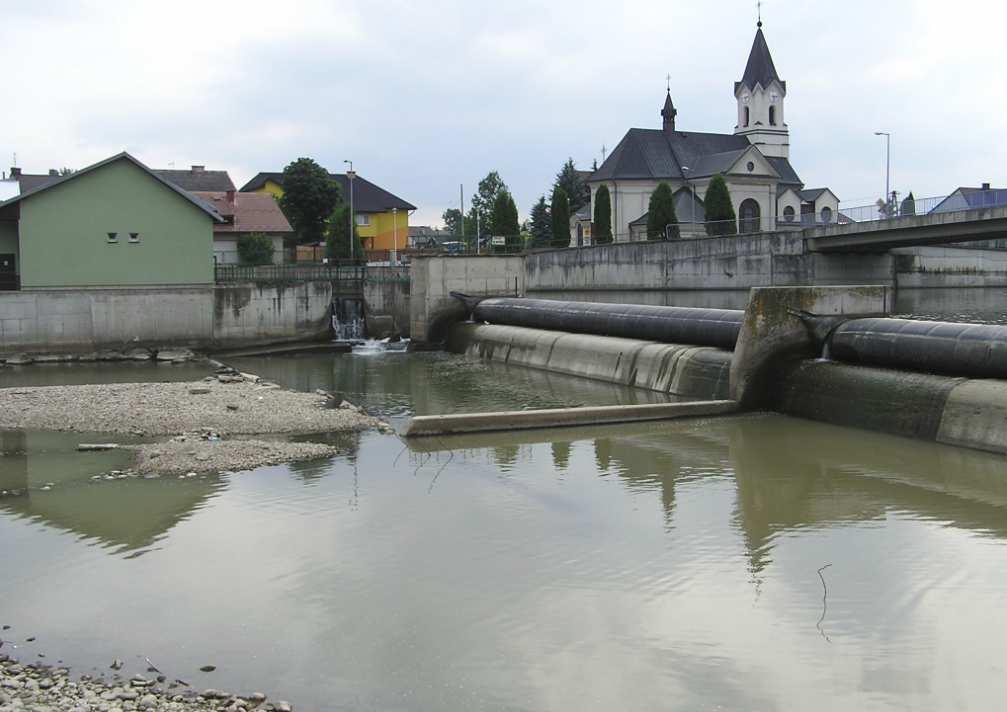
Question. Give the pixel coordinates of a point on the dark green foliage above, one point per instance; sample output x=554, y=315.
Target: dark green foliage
x=504, y=219
x=309, y=196
x=909, y=205
x=255, y=249
x=483, y=201
x=541, y=224
x=577, y=192
x=560, y=211
x=602, y=231
x=720, y=217
x=452, y=220
x=337, y=236
x=661, y=214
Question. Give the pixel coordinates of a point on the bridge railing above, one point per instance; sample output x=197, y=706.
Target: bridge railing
x=960, y=200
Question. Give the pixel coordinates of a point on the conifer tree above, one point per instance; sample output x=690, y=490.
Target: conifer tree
x=661, y=214
x=720, y=217
x=541, y=224
x=560, y=218
x=602, y=216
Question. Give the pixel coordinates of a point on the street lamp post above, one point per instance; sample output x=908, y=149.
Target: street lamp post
x=350, y=175
x=692, y=199
x=395, y=236
x=888, y=168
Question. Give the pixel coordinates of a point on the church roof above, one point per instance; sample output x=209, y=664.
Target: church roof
x=760, y=68
x=654, y=154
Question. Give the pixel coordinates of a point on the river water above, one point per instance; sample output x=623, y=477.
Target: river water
x=754, y=562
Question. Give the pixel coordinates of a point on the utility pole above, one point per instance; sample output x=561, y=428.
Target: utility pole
x=478, y=233
x=461, y=218
x=350, y=175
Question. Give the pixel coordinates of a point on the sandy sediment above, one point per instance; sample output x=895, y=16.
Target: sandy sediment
x=195, y=453
x=242, y=407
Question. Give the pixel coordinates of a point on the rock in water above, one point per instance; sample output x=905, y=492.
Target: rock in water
x=208, y=668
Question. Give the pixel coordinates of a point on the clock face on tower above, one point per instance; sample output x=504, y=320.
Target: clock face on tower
x=774, y=97
x=745, y=99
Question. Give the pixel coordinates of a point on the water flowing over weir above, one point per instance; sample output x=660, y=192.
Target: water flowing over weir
x=931, y=380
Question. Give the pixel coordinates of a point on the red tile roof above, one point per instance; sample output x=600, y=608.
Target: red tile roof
x=247, y=212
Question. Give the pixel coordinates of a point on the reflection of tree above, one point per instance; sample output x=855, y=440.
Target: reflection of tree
x=560, y=455
x=793, y=473
x=13, y=461
x=506, y=455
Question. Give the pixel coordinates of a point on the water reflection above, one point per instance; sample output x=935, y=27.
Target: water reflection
x=47, y=481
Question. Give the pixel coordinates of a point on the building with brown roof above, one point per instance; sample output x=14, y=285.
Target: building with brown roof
x=245, y=214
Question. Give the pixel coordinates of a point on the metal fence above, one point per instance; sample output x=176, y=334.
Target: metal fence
x=348, y=274
x=958, y=201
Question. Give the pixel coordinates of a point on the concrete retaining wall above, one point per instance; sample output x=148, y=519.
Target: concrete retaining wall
x=387, y=294
x=434, y=278
x=48, y=321
x=686, y=371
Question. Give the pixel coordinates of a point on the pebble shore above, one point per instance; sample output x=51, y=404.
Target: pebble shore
x=236, y=406
x=44, y=688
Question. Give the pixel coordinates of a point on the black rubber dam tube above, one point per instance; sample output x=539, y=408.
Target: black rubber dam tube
x=674, y=325
x=976, y=350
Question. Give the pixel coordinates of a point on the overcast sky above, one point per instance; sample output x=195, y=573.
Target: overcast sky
x=424, y=96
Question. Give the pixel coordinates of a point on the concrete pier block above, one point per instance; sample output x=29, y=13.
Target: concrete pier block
x=771, y=332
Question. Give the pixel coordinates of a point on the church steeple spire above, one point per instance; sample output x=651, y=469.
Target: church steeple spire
x=669, y=111
x=760, y=96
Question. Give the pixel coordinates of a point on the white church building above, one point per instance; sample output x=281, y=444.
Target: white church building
x=765, y=189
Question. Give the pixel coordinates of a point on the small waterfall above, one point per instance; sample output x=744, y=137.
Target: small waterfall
x=347, y=319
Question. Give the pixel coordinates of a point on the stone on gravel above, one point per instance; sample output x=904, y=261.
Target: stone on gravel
x=175, y=355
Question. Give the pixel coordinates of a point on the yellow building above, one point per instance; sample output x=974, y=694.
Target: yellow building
x=382, y=218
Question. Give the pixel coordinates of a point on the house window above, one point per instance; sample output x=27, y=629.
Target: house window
x=772, y=116
x=363, y=220
x=750, y=166
x=113, y=238
x=788, y=213
x=826, y=214
x=134, y=238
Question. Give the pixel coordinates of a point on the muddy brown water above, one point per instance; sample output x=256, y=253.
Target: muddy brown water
x=644, y=567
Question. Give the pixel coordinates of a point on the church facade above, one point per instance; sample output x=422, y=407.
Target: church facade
x=754, y=160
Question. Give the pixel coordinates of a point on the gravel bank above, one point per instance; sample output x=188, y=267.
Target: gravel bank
x=181, y=456
x=43, y=688
x=241, y=407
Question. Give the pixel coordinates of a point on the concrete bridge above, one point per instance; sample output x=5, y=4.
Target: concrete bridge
x=941, y=228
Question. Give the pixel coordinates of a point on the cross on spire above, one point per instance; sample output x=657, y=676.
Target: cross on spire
x=758, y=4
x=668, y=78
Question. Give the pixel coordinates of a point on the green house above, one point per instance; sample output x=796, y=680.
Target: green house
x=113, y=224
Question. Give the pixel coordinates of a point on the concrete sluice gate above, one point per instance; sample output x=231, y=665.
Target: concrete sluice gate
x=938, y=381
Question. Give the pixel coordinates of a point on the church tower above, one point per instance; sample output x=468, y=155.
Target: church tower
x=760, y=95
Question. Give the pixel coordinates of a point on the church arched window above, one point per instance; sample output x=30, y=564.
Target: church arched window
x=747, y=116
x=772, y=116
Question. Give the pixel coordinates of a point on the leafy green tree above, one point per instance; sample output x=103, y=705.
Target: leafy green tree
x=661, y=214
x=720, y=217
x=309, y=197
x=602, y=216
x=255, y=249
x=540, y=224
x=560, y=211
x=570, y=180
x=452, y=220
x=484, y=199
x=337, y=235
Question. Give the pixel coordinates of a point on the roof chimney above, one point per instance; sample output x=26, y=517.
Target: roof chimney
x=986, y=186
x=15, y=172
x=198, y=169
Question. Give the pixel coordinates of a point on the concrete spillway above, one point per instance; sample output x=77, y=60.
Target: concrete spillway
x=930, y=380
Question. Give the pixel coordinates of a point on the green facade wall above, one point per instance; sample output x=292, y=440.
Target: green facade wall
x=8, y=240
x=64, y=233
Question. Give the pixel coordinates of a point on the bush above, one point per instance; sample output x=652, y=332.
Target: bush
x=560, y=218
x=255, y=249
